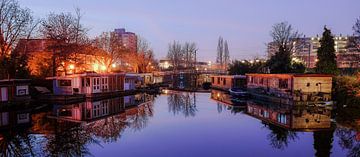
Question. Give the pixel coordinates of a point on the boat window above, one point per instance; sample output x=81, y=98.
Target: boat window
x=224, y=82
x=218, y=80
x=64, y=83
x=283, y=83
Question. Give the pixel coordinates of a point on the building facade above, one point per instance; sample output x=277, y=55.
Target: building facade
x=128, y=39
x=305, y=50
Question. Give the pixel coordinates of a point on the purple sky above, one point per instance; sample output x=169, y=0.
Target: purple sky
x=245, y=24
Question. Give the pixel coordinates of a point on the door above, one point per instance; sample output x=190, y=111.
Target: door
x=96, y=85
x=3, y=94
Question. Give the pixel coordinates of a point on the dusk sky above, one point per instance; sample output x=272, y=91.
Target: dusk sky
x=245, y=24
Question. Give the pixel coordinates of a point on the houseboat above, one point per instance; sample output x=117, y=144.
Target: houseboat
x=235, y=84
x=14, y=91
x=132, y=81
x=146, y=79
x=290, y=87
x=91, y=85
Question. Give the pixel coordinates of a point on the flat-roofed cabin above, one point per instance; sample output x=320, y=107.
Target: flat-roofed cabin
x=132, y=81
x=14, y=90
x=226, y=82
x=298, y=87
x=88, y=83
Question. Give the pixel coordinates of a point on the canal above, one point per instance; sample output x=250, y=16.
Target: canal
x=179, y=124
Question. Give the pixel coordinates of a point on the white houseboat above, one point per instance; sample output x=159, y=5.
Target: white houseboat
x=89, y=84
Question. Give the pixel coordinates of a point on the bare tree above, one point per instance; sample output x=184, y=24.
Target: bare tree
x=286, y=40
x=226, y=55
x=69, y=34
x=189, y=49
x=175, y=54
x=355, y=40
x=143, y=58
x=284, y=36
x=64, y=27
x=220, y=51
x=110, y=48
x=14, y=24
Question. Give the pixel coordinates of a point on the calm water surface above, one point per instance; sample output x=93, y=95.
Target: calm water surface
x=179, y=124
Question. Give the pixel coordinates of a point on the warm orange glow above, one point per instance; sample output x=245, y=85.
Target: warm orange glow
x=71, y=66
x=96, y=67
x=113, y=65
x=103, y=67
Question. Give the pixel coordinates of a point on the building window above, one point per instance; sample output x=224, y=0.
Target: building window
x=283, y=83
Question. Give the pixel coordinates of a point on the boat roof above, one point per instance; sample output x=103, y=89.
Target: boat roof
x=290, y=75
x=84, y=75
x=230, y=76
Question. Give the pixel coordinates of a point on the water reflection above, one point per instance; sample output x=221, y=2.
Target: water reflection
x=68, y=130
x=14, y=136
x=72, y=130
x=182, y=103
x=225, y=101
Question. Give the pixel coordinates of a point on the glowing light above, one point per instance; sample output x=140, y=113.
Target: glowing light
x=166, y=65
x=166, y=91
x=218, y=94
x=205, y=69
x=96, y=67
x=197, y=68
x=103, y=67
x=71, y=66
x=251, y=61
x=113, y=65
x=316, y=60
x=243, y=61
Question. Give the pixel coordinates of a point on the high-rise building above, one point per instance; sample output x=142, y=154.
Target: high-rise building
x=305, y=50
x=129, y=39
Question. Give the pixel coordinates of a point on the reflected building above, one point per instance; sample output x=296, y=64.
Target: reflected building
x=300, y=118
x=10, y=119
x=93, y=110
x=226, y=102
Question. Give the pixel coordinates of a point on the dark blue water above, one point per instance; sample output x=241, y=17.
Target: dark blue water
x=181, y=125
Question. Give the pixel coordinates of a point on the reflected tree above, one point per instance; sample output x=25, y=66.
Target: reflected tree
x=182, y=103
x=141, y=118
x=323, y=142
x=107, y=129
x=14, y=143
x=348, y=140
x=69, y=139
x=280, y=137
